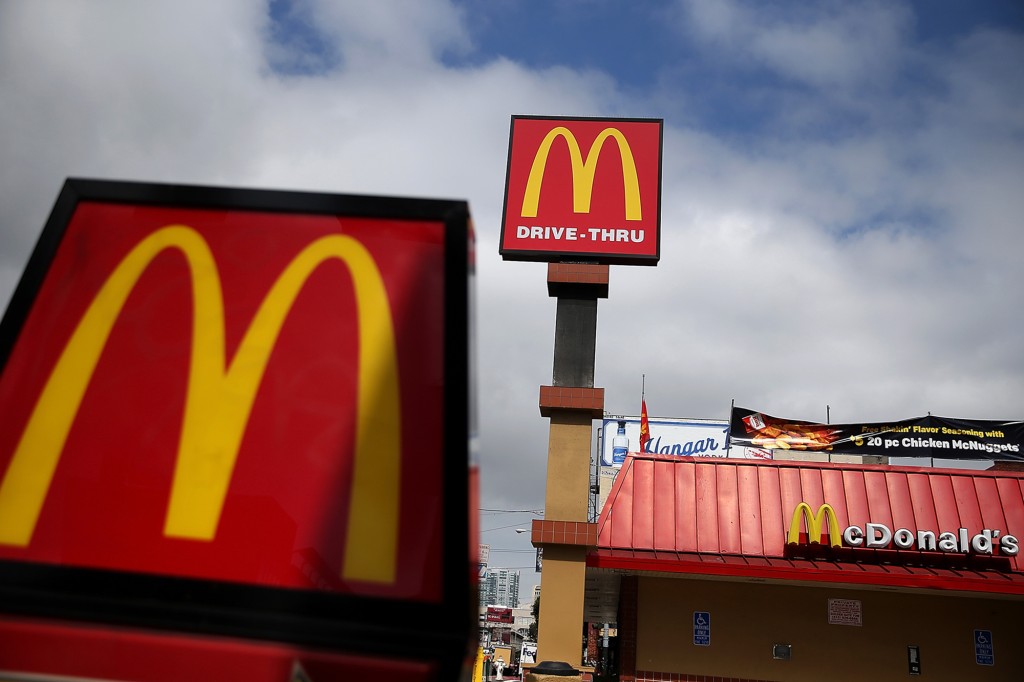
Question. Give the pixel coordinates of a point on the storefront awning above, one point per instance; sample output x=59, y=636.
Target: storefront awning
x=733, y=518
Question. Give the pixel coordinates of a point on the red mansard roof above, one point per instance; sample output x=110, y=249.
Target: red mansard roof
x=731, y=518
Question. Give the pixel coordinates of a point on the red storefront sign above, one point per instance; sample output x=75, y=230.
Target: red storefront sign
x=243, y=402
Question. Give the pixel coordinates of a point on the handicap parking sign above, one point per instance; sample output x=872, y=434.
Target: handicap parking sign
x=984, y=650
x=702, y=628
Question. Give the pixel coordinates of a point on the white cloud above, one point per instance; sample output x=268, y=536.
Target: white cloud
x=824, y=45
x=372, y=34
x=868, y=266
x=186, y=94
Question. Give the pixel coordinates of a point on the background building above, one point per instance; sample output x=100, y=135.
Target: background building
x=500, y=587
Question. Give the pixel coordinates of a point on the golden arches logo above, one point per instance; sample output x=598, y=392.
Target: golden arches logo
x=583, y=172
x=814, y=522
x=220, y=396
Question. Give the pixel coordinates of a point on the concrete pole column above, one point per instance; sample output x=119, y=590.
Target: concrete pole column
x=571, y=403
x=560, y=630
x=568, y=483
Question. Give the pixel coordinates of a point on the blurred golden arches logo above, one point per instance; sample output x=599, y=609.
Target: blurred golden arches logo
x=814, y=521
x=219, y=399
x=583, y=172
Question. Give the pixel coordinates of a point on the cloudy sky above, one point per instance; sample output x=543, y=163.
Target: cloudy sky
x=843, y=181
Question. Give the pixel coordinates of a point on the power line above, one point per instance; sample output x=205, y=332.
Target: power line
x=511, y=525
x=539, y=512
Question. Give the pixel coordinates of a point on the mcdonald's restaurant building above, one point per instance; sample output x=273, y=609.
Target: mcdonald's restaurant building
x=729, y=569
x=749, y=570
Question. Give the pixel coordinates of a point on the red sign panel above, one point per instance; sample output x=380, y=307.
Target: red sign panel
x=57, y=652
x=583, y=188
x=244, y=388
x=500, y=614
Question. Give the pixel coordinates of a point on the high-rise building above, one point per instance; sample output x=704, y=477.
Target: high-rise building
x=500, y=587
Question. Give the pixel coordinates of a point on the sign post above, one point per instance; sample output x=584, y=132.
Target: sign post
x=581, y=194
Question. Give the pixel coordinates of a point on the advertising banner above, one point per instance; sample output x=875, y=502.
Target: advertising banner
x=231, y=398
x=483, y=557
x=936, y=437
x=583, y=188
x=683, y=437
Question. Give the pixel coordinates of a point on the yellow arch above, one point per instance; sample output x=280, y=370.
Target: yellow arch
x=583, y=172
x=825, y=514
x=219, y=400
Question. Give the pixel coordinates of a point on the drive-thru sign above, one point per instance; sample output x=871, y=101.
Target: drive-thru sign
x=583, y=188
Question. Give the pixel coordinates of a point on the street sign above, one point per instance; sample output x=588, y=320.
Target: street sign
x=702, y=628
x=984, y=650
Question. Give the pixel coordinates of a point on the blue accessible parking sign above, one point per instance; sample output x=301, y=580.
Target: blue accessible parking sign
x=984, y=650
x=702, y=628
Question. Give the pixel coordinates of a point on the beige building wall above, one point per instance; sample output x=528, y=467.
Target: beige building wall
x=747, y=619
x=560, y=626
x=782, y=455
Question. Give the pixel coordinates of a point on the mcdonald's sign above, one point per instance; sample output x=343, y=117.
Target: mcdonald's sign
x=255, y=399
x=879, y=536
x=583, y=188
x=816, y=522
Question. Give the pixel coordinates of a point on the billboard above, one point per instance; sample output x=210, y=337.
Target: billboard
x=228, y=398
x=934, y=437
x=682, y=437
x=583, y=188
x=500, y=614
x=483, y=558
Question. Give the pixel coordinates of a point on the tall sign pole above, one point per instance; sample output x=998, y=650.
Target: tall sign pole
x=571, y=403
x=580, y=194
